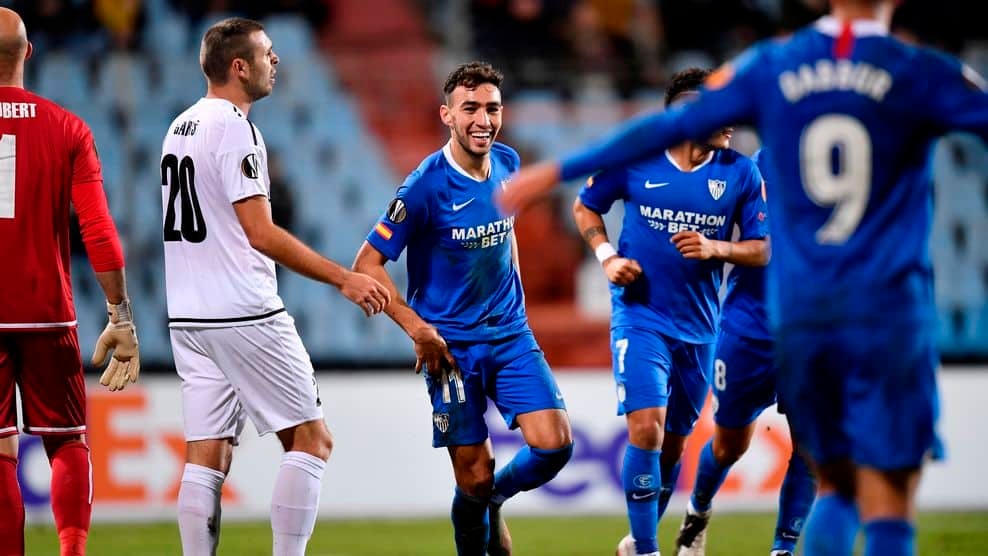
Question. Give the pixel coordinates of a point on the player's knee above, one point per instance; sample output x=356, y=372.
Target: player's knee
x=550, y=462
x=728, y=449
x=54, y=443
x=839, y=478
x=645, y=434
x=477, y=478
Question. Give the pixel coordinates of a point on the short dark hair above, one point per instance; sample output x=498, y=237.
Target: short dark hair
x=222, y=43
x=470, y=75
x=690, y=79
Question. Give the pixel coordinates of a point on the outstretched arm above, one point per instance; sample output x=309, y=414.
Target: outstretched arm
x=254, y=214
x=431, y=350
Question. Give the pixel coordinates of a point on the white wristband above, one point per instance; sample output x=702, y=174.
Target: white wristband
x=605, y=251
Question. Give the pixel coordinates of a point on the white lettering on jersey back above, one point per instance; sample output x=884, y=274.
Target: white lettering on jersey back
x=11, y=110
x=843, y=75
x=219, y=280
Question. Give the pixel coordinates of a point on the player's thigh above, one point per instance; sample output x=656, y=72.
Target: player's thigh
x=743, y=380
x=53, y=388
x=642, y=363
x=210, y=408
x=8, y=387
x=520, y=382
x=459, y=403
x=270, y=371
x=812, y=367
x=689, y=383
x=893, y=401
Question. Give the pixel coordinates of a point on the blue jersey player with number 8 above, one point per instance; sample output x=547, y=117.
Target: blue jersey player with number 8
x=466, y=312
x=744, y=385
x=849, y=116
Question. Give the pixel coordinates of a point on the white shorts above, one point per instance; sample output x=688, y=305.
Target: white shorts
x=257, y=370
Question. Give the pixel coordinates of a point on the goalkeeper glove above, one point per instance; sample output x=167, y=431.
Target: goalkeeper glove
x=120, y=335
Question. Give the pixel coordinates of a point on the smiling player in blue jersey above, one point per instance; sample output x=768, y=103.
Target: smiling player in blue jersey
x=849, y=116
x=466, y=312
x=744, y=386
x=680, y=208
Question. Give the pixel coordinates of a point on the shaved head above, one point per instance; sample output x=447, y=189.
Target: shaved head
x=13, y=47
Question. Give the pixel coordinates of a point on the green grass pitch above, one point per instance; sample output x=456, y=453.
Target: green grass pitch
x=730, y=534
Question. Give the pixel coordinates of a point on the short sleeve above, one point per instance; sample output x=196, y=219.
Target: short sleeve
x=406, y=214
x=753, y=220
x=239, y=159
x=601, y=190
x=86, y=167
x=957, y=99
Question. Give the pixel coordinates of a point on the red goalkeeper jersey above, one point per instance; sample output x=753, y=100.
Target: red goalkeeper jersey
x=47, y=160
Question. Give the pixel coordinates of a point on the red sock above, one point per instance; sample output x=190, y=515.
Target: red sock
x=11, y=508
x=72, y=496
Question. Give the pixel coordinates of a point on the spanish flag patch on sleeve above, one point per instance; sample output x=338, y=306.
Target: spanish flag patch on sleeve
x=383, y=230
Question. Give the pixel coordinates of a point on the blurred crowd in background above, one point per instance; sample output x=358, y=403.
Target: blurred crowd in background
x=355, y=108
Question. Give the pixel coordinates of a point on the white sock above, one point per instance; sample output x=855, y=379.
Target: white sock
x=295, y=502
x=199, y=510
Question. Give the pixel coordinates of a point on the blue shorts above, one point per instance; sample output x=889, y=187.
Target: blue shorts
x=653, y=370
x=512, y=372
x=868, y=393
x=744, y=379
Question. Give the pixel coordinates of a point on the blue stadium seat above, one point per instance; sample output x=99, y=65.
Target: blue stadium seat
x=290, y=35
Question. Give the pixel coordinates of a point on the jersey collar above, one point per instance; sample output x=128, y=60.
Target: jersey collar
x=701, y=165
x=831, y=26
x=448, y=154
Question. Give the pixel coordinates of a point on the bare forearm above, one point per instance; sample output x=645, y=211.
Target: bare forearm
x=590, y=224
x=399, y=310
x=751, y=252
x=114, y=284
x=288, y=251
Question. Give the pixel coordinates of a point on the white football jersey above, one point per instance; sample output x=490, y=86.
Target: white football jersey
x=211, y=158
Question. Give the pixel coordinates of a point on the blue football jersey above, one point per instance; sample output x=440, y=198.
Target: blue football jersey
x=675, y=296
x=850, y=135
x=743, y=310
x=461, y=278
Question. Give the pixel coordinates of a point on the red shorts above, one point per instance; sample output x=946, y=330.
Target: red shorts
x=48, y=369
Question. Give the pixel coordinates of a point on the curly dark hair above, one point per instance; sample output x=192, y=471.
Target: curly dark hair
x=690, y=79
x=470, y=75
x=222, y=43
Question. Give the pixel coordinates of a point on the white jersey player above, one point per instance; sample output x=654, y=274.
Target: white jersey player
x=236, y=349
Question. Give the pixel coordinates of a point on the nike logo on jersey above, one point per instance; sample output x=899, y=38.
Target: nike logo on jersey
x=650, y=185
x=646, y=496
x=459, y=206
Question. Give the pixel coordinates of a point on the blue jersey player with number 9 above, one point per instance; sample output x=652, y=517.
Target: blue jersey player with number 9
x=466, y=312
x=849, y=115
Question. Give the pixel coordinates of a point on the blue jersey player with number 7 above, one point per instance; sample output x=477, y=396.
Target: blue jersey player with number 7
x=850, y=116
x=466, y=312
x=680, y=209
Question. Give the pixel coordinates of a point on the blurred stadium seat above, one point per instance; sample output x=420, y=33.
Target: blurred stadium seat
x=341, y=177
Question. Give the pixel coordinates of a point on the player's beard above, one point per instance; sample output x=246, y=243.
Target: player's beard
x=466, y=143
x=259, y=88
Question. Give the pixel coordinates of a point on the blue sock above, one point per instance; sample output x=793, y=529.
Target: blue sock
x=795, y=499
x=471, y=527
x=641, y=480
x=670, y=475
x=831, y=527
x=889, y=537
x=530, y=468
x=709, y=476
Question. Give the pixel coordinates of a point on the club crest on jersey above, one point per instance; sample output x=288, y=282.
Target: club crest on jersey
x=250, y=166
x=716, y=188
x=441, y=421
x=396, y=211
